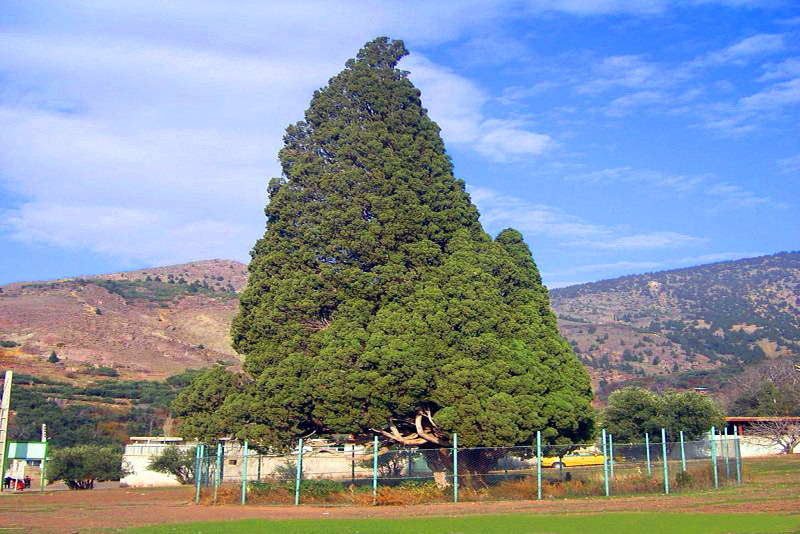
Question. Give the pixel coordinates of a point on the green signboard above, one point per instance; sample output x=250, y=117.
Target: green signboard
x=27, y=451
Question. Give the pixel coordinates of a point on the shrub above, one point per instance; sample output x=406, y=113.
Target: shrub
x=320, y=488
x=176, y=462
x=683, y=479
x=79, y=467
x=101, y=370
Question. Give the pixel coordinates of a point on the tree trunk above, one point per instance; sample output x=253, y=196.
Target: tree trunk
x=440, y=461
x=473, y=466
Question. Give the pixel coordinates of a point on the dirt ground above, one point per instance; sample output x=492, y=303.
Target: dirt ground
x=771, y=485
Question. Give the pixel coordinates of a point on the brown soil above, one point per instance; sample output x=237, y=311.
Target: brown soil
x=772, y=488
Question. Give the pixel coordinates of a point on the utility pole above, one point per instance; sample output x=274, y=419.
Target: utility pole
x=5, y=409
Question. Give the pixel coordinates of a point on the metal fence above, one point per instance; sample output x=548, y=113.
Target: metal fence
x=370, y=474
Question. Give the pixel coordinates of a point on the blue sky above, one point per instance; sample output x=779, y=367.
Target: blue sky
x=620, y=136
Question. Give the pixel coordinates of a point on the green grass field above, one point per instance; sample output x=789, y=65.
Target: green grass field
x=613, y=523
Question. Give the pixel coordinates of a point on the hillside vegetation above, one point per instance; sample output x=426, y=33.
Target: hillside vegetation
x=685, y=327
x=700, y=326
x=145, y=324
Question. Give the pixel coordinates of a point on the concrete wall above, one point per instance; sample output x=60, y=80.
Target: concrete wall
x=136, y=459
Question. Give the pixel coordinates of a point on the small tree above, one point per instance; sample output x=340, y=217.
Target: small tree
x=53, y=358
x=79, y=467
x=176, y=462
x=692, y=413
x=633, y=411
x=785, y=434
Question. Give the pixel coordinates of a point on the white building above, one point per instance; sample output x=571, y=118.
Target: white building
x=139, y=452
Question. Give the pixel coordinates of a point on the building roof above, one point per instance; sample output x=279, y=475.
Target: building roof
x=750, y=419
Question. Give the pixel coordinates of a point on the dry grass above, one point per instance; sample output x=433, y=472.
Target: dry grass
x=627, y=481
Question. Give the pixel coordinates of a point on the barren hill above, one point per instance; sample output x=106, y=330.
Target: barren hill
x=149, y=323
x=685, y=327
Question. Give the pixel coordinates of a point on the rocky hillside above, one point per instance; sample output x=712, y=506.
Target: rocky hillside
x=150, y=323
x=686, y=327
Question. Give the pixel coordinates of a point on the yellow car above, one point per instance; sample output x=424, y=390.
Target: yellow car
x=576, y=459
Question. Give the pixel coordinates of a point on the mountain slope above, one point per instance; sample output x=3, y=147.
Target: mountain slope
x=712, y=317
x=142, y=324
x=686, y=327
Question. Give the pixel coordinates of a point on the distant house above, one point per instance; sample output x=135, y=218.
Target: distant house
x=322, y=459
x=139, y=451
x=754, y=445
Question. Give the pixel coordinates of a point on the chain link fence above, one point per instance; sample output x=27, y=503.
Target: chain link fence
x=369, y=474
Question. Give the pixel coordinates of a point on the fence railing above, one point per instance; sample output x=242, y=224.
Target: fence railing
x=370, y=474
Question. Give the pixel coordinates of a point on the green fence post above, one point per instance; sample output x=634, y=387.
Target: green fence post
x=605, y=463
x=244, y=474
x=299, y=474
x=198, y=472
x=455, y=467
x=43, y=471
x=647, y=445
x=539, y=465
x=375, y=469
x=726, y=453
x=611, y=454
x=738, y=449
x=218, y=474
x=664, y=456
x=683, y=454
x=713, y=435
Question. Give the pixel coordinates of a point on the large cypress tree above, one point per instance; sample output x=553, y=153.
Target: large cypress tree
x=376, y=303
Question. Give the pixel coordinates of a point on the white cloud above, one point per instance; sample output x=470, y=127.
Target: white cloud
x=600, y=7
x=174, y=119
x=502, y=140
x=156, y=236
x=734, y=196
x=623, y=105
x=749, y=113
x=498, y=211
x=456, y=104
x=625, y=267
x=629, y=72
x=655, y=180
x=715, y=257
x=774, y=97
x=789, y=68
x=515, y=94
x=130, y=126
x=639, y=83
x=790, y=165
x=645, y=241
x=628, y=266
x=757, y=45
x=722, y=195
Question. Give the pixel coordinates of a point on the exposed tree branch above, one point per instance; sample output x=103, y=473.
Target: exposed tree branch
x=785, y=434
x=424, y=433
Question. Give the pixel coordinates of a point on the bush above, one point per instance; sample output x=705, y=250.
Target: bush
x=176, y=462
x=260, y=488
x=79, y=467
x=101, y=370
x=683, y=479
x=320, y=488
x=53, y=358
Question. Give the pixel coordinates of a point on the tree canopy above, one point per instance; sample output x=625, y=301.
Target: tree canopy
x=80, y=467
x=632, y=411
x=376, y=303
